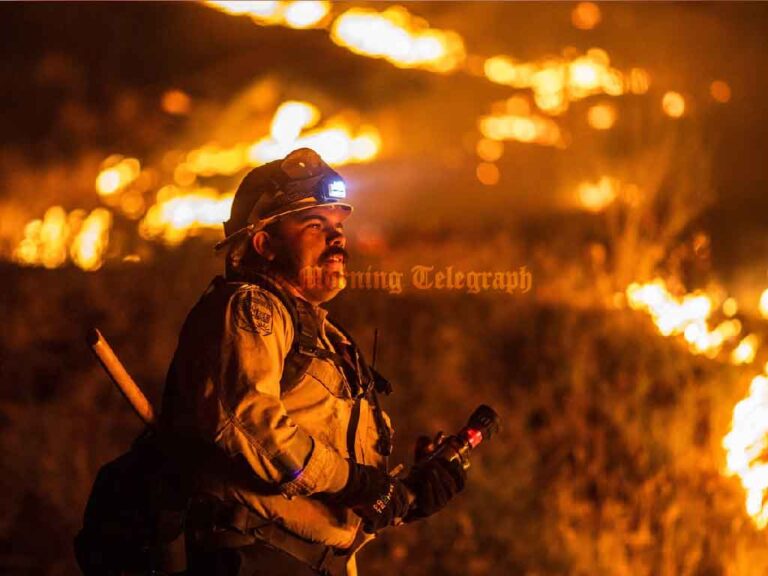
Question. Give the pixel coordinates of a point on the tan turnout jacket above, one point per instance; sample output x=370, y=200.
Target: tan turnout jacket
x=224, y=386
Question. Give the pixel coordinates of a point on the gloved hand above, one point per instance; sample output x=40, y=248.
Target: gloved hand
x=426, y=446
x=374, y=495
x=434, y=483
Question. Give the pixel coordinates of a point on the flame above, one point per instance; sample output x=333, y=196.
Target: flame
x=489, y=150
x=179, y=213
x=517, y=122
x=746, y=350
x=596, y=196
x=337, y=145
x=763, y=306
x=117, y=174
x=586, y=15
x=639, y=81
x=673, y=104
x=720, y=91
x=557, y=82
x=400, y=38
x=686, y=316
x=90, y=243
x=601, y=116
x=183, y=208
x=305, y=14
x=176, y=102
x=49, y=241
x=336, y=142
x=488, y=173
x=300, y=14
x=746, y=444
x=291, y=118
x=731, y=307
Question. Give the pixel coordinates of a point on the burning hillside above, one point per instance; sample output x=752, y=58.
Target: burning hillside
x=612, y=150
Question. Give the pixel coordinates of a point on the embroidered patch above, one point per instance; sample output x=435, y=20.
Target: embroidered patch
x=253, y=311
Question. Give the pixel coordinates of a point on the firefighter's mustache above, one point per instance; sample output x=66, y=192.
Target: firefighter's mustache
x=334, y=251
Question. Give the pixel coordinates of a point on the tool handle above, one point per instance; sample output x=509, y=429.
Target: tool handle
x=119, y=375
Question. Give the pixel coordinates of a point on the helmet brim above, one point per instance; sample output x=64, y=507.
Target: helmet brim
x=264, y=222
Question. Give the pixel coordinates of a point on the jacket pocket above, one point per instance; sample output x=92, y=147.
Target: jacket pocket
x=326, y=373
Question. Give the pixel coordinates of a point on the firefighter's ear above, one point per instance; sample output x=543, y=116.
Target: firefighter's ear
x=262, y=243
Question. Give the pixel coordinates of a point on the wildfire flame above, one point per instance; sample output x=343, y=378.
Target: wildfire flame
x=182, y=209
x=517, y=122
x=185, y=208
x=763, y=306
x=557, y=82
x=90, y=243
x=178, y=214
x=117, y=174
x=596, y=196
x=300, y=14
x=746, y=350
x=50, y=241
x=686, y=316
x=746, y=446
x=400, y=38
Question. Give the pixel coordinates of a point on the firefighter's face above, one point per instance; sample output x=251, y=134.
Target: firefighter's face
x=308, y=249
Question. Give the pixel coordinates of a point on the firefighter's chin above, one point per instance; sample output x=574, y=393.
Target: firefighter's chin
x=320, y=284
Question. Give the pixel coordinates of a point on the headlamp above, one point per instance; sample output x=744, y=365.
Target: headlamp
x=336, y=189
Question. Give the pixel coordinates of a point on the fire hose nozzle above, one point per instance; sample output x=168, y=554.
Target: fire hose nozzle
x=482, y=424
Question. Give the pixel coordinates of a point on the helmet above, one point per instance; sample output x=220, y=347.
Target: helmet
x=300, y=181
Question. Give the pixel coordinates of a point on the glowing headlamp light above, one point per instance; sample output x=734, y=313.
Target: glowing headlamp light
x=336, y=189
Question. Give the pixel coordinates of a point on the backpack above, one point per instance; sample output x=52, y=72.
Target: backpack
x=134, y=519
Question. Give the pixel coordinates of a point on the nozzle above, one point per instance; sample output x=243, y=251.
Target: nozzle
x=484, y=420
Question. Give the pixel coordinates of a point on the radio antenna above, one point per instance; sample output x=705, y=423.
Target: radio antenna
x=375, y=347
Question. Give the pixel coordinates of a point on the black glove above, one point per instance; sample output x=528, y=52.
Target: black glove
x=374, y=495
x=434, y=483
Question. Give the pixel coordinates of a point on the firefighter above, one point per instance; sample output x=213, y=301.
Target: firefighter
x=274, y=406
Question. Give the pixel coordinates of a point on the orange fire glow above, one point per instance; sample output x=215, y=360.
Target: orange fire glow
x=117, y=174
x=179, y=213
x=746, y=350
x=586, y=15
x=184, y=208
x=400, y=38
x=488, y=173
x=50, y=241
x=556, y=82
x=299, y=14
x=687, y=316
x=517, y=122
x=746, y=445
x=601, y=116
x=596, y=196
x=673, y=104
x=763, y=306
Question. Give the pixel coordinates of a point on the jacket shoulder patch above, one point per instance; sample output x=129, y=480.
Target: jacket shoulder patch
x=253, y=311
